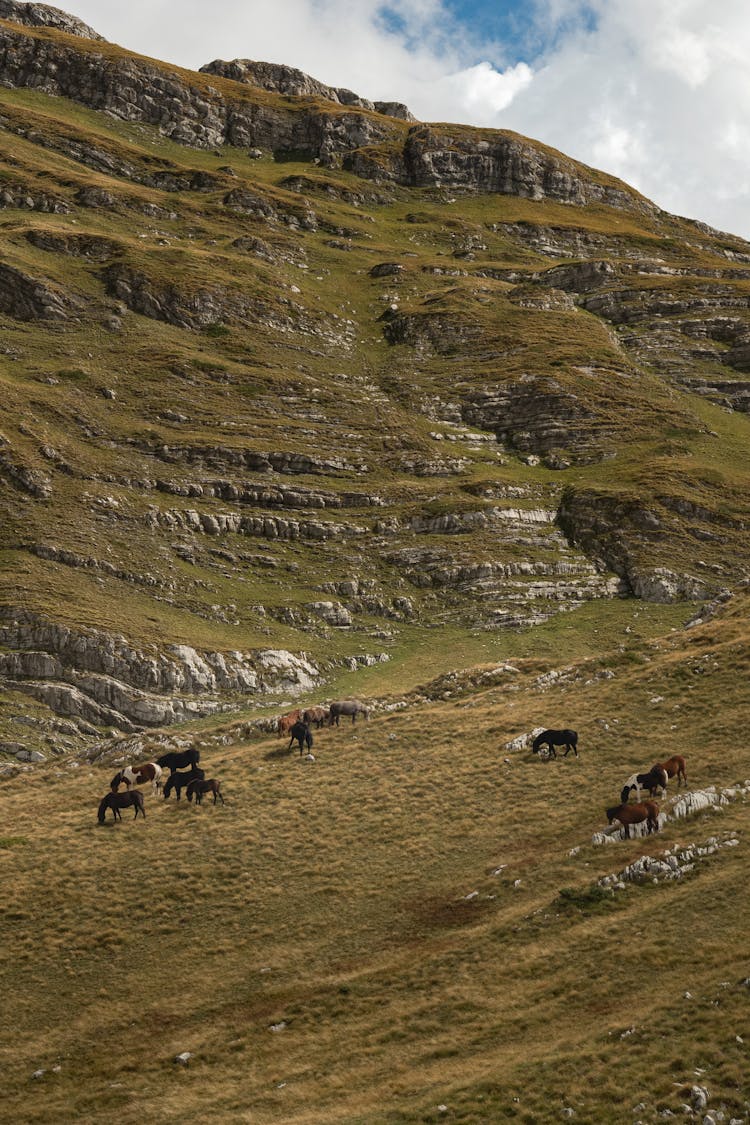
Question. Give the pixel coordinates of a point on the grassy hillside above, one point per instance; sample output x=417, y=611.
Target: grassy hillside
x=475, y=451
x=408, y=922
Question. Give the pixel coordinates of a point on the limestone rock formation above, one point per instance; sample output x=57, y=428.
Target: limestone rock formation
x=288, y=80
x=43, y=15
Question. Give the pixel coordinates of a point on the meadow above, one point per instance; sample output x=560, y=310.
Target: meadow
x=397, y=931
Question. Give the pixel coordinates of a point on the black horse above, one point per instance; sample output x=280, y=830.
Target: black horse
x=553, y=738
x=178, y=781
x=198, y=789
x=178, y=759
x=117, y=801
x=301, y=733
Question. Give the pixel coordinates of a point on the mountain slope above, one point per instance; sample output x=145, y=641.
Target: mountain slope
x=283, y=373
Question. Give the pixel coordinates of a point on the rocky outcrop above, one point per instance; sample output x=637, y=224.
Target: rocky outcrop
x=278, y=496
x=193, y=112
x=23, y=197
x=259, y=461
x=282, y=79
x=433, y=332
x=474, y=160
x=166, y=302
x=103, y=679
x=21, y=475
x=536, y=415
x=621, y=532
x=29, y=298
x=90, y=246
x=264, y=527
x=43, y=15
x=188, y=112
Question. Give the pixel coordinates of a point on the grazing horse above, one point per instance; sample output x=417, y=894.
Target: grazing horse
x=673, y=767
x=176, y=759
x=553, y=738
x=117, y=801
x=198, y=788
x=351, y=707
x=318, y=716
x=286, y=722
x=178, y=781
x=635, y=814
x=136, y=775
x=301, y=733
x=656, y=778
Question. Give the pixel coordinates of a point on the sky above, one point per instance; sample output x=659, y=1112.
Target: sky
x=654, y=91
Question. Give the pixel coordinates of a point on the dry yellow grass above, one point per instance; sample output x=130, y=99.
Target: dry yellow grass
x=329, y=900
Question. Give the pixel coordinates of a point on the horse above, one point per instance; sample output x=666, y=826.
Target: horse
x=318, y=716
x=553, y=738
x=673, y=767
x=117, y=801
x=351, y=707
x=656, y=778
x=635, y=814
x=198, y=788
x=286, y=722
x=136, y=775
x=176, y=759
x=178, y=781
x=302, y=734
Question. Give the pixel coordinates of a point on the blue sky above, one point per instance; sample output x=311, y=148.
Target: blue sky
x=654, y=91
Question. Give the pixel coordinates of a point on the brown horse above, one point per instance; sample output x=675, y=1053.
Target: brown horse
x=674, y=766
x=286, y=722
x=199, y=788
x=117, y=801
x=137, y=775
x=635, y=814
x=317, y=716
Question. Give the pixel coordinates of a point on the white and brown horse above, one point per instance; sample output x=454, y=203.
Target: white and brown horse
x=138, y=775
x=656, y=778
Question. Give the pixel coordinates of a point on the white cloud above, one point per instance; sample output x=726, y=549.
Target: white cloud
x=655, y=91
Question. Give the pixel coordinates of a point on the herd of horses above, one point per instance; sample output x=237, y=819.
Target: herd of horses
x=299, y=722
x=651, y=781
x=193, y=780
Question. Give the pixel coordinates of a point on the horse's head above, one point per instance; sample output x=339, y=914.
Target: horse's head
x=103, y=806
x=625, y=795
